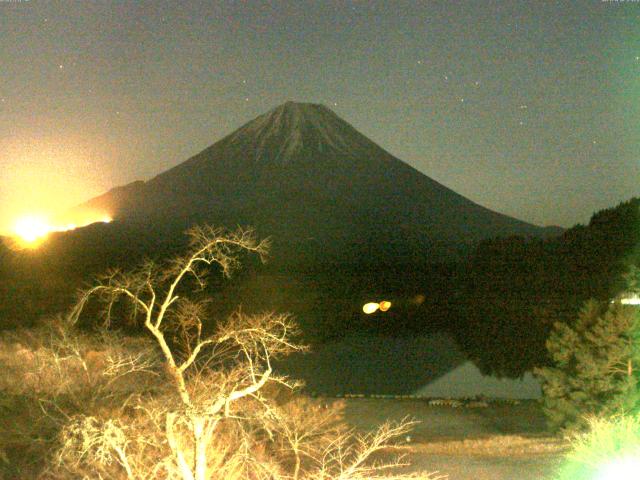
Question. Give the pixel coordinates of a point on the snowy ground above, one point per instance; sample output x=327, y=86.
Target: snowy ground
x=499, y=442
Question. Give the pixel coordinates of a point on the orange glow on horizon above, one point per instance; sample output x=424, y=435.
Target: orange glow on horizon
x=31, y=231
x=49, y=175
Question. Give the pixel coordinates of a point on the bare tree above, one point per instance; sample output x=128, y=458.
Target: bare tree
x=221, y=421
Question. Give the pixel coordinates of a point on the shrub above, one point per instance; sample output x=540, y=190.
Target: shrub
x=53, y=373
x=610, y=450
x=596, y=366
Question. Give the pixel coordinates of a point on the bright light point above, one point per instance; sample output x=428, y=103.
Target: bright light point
x=373, y=307
x=384, y=305
x=31, y=229
x=620, y=469
x=634, y=300
x=370, y=307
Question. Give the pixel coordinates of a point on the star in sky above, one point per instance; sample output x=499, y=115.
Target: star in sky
x=399, y=74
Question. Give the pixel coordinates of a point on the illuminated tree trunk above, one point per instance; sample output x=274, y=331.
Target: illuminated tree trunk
x=200, y=453
x=183, y=466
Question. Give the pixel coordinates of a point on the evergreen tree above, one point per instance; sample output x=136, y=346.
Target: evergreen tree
x=595, y=366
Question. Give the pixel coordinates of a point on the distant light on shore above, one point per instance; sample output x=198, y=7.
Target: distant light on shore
x=370, y=308
x=373, y=307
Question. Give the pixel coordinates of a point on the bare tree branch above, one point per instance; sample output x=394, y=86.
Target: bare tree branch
x=222, y=423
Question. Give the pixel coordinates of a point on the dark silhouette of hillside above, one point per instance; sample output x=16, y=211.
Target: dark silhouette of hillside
x=318, y=187
x=514, y=289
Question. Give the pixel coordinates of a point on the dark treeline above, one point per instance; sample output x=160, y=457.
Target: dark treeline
x=515, y=289
x=499, y=298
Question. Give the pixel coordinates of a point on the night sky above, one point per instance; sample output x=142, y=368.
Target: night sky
x=528, y=108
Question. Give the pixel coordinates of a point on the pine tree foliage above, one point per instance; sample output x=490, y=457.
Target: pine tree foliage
x=595, y=366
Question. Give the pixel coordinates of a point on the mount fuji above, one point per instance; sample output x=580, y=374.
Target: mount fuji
x=318, y=187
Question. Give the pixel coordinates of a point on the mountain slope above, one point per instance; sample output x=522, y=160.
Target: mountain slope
x=306, y=177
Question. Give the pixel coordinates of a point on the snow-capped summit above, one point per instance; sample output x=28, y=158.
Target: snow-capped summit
x=294, y=129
